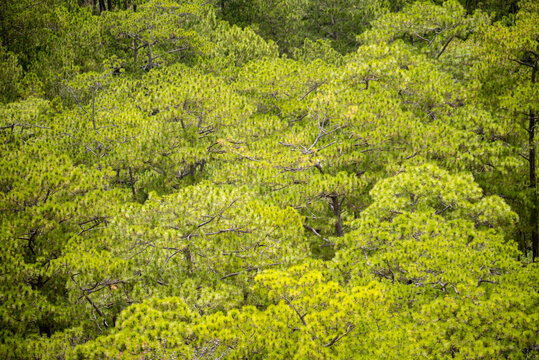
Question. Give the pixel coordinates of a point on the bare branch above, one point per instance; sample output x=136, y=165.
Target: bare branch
x=318, y=234
x=349, y=328
x=523, y=63
x=313, y=88
x=235, y=230
x=77, y=100
x=90, y=301
x=301, y=317
x=445, y=46
x=481, y=280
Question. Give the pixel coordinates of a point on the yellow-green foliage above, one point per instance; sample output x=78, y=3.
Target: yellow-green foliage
x=174, y=186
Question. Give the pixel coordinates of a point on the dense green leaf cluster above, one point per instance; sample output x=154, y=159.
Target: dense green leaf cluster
x=288, y=179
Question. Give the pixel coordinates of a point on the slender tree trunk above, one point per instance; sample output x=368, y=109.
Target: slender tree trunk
x=135, y=52
x=102, y=6
x=132, y=183
x=150, y=57
x=188, y=259
x=336, y=207
x=109, y=5
x=222, y=6
x=135, y=43
x=533, y=178
x=533, y=184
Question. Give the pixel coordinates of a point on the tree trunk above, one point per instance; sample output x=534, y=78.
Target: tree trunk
x=336, y=207
x=132, y=183
x=533, y=177
x=102, y=6
x=150, y=57
x=533, y=185
x=135, y=52
x=188, y=259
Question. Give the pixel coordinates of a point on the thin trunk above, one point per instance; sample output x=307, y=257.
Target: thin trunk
x=533, y=177
x=336, y=207
x=188, y=259
x=533, y=184
x=150, y=57
x=132, y=183
x=101, y=6
x=109, y=4
x=135, y=52
x=135, y=42
x=222, y=6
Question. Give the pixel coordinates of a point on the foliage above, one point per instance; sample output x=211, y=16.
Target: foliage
x=297, y=179
x=289, y=22
x=161, y=31
x=432, y=26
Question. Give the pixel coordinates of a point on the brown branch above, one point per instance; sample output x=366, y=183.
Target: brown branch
x=236, y=230
x=318, y=234
x=523, y=63
x=486, y=281
x=445, y=46
x=313, y=88
x=349, y=328
x=91, y=302
x=301, y=317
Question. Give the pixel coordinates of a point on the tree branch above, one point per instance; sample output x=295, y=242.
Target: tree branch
x=301, y=317
x=349, y=328
x=445, y=46
x=91, y=302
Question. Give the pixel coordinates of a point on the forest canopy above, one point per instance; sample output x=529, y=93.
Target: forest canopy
x=255, y=179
